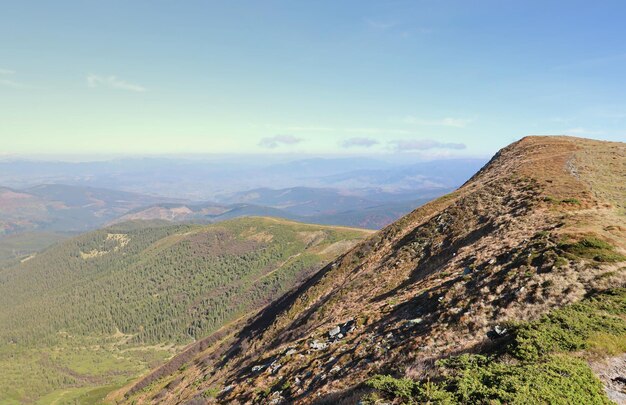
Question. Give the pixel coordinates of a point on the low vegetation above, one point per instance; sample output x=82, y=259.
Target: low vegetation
x=536, y=362
x=592, y=248
x=96, y=310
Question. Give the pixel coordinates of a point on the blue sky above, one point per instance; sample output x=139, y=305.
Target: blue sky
x=435, y=78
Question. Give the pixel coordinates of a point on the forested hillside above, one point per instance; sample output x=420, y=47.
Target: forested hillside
x=506, y=291
x=99, y=309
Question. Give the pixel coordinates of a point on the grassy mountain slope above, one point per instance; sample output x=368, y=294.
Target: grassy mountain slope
x=98, y=309
x=445, y=304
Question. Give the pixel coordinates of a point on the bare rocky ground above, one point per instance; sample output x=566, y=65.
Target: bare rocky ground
x=612, y=372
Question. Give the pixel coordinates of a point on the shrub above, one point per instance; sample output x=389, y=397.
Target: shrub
x=478, y=379
x=571, y=201
x=404, y=388
x=570, y=328
x=556, y=379
x=411, y=392
x=539, y=369
x=593, y=248
x=211, y=392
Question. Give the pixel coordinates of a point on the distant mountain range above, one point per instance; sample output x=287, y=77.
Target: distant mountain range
x=77, y=197
x=211, y=178
x=305, y=204
x=63, y=208
x=508, y=290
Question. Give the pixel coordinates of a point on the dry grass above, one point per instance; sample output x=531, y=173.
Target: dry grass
x=461, y=264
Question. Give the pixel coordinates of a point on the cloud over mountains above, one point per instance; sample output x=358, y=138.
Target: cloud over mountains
x=279, y=140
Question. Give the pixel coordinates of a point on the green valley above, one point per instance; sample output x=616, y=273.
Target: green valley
x=95, y=311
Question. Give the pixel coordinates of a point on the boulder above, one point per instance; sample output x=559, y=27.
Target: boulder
x=334, y=331
x=315, y=345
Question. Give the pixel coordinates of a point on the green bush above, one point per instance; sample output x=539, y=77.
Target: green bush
x=411, y=392
x=404, y=388
x=556, y=379
x=593, y=248
x=538, y=368
x=570, y=328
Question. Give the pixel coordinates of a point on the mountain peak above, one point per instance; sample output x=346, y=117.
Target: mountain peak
x=539, y=227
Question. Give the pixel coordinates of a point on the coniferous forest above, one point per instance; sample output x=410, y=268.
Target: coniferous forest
x=93, y=311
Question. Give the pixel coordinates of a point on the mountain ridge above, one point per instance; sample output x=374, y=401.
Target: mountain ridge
x=538, y=227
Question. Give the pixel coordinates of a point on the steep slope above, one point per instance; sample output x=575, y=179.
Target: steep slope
x=100, y=308
x=541, y=226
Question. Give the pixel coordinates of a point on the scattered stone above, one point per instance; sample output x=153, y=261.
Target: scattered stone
x=274, y=367
x=290, y=352
x=277, y=398
x=340, y=331
x=334, y=331
x=227, y=388
x=348, y=327
x=315, y=345
x=497, y=332
x=257, y=368
x=500, y=330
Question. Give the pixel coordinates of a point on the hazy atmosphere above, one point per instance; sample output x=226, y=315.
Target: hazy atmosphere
x=312, y=202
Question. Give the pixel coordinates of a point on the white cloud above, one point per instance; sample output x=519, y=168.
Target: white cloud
x=278, y=140
x=359, y=142
x=444, y=122
x=405, y=145
x=113, y=82
x=6, y=72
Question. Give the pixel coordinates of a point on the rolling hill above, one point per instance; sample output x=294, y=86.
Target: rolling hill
x=34, y=218
x=508, y=290
x=305, y=204
x=93, y=311
x=63, y=208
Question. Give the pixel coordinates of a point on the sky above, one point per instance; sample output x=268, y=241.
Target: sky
x=432, y=78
